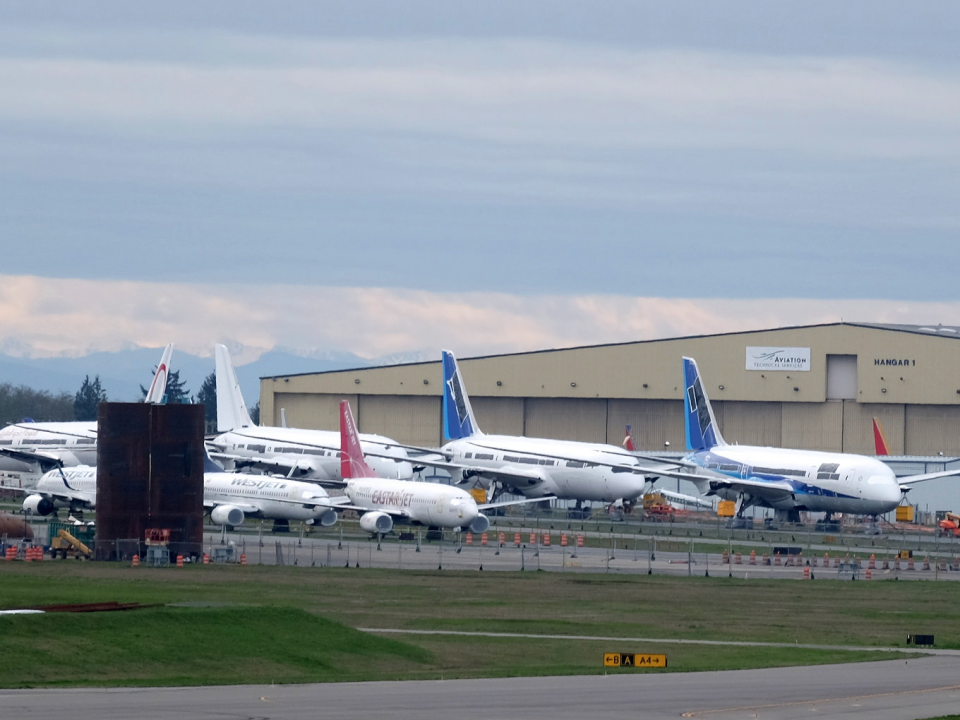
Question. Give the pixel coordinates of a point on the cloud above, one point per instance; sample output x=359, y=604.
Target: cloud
x=73, y=317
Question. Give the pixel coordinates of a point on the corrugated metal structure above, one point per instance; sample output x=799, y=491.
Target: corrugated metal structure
x=848, y=373
x=149, y=475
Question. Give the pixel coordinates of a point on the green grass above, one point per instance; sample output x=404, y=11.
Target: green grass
x=288, y=624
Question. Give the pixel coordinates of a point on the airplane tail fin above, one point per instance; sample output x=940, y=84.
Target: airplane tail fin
x=352, y=463
x=458, y=419
x=701, y=425
x=231, y=410
x=156, y=395
x=880, y=438
x=628, y=441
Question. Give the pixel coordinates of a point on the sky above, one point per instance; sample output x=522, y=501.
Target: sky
x=382, y=177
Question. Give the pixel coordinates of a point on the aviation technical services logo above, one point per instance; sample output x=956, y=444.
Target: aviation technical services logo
x=778, y=358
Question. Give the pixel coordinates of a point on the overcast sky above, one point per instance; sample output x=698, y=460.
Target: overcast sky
x=384, y=177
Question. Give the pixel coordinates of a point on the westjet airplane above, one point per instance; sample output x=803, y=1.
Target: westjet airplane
x=228, y=497
x=293, y=452
x=787, y=481
x=41, y=446
x=384, y=501
x=537, y=467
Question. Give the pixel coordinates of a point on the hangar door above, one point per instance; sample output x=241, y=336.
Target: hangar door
x=841, y=377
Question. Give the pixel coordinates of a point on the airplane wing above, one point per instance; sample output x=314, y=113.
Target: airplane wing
x=44, y=461
x=92, y=434
x=279, y=464
x=772, y=490
x=490, y=506
x=906, y=483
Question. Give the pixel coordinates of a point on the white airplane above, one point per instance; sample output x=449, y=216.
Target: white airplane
x=228, y=497
x=786, y=480
x=41, y=446
x=294, y=452
x=538, y=467
x=384, y=501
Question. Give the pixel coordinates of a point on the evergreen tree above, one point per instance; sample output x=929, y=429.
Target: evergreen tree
x=208, y=396
x=255, y=413
x=19, y=402
x=88, y=397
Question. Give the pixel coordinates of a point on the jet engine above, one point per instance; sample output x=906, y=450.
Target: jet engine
x=227, y=515
x=38, y=505
x=480, y=524
x=376, y=522
x=327, y=519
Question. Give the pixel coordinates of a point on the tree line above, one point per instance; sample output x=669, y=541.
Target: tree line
x=21, y=402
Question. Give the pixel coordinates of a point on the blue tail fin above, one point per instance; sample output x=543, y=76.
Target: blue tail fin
x=458, y=419
x=701, y=425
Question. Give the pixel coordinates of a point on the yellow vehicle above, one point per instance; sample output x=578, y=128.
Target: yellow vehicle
x=65, y=543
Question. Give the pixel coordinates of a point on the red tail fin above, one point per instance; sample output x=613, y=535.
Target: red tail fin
x=352, y=464
x=880, y=438
x=628, y=441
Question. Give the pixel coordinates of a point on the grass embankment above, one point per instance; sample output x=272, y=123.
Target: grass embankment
x=288, y=624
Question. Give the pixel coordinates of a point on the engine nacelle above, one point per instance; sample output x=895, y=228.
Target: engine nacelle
x=327, y=519
x=481, y=524
x=376, y=522
x=38, y=505
x=227, y=515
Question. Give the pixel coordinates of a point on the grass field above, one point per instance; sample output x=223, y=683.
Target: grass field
x=235, y=624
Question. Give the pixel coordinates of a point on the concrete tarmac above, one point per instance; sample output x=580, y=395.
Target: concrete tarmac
x=889, y=690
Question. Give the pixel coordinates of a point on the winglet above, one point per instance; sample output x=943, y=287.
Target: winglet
x=458, y=419
x=156, y=395
x=352, y=463
x=701, y=425
x=880, y=438
x=231, y=410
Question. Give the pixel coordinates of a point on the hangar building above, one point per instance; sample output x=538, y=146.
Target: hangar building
x=814, y=387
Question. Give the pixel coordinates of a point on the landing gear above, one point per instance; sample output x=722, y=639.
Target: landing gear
x=829, y=524
x=739, y=521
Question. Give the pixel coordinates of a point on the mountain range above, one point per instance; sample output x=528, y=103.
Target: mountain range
x=123, y=372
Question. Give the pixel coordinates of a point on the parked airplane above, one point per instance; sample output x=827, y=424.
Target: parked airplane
x=40, y=446
x=537, y=467
x=384, y=501
x=293, y=452
x=786, y=480
x=228, y=497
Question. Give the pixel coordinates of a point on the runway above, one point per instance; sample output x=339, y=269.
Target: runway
x=889, y=690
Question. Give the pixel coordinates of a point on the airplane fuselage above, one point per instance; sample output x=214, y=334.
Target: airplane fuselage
x=73, y=443
x=315, y=453
x=575, y=476
x=821, y=481
x=274, y=498
x=421, y=502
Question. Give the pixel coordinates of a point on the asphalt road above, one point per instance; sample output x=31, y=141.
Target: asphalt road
x=890, y=690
